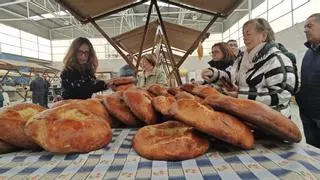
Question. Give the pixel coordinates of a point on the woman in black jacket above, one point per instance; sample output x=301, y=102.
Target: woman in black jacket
x=78, y=78
x=222, y=56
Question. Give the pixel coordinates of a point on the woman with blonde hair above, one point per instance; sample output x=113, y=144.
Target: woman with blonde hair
x=78, y=80
x=264, y=73
x=151, y=74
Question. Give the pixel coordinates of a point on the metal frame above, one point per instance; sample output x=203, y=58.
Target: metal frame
x=174, y=66
x=167, y=43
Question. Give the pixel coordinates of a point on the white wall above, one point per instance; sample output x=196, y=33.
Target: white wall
x=293, y=39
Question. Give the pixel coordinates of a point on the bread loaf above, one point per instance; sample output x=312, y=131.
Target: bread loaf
x=69, y=128
x=12, y=122
x=170, y=140
x=118, y=109
x=139, y=103
x=259, y=114
x=220, y=125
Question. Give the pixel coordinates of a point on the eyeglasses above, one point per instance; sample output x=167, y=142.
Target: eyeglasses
x=233, y=45
x=214, y=52
x=80, y=53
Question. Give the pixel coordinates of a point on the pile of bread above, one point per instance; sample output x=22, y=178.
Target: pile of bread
x=176, y=123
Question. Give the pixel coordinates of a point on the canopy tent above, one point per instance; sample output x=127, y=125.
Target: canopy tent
x=85, y=10
x=90, y=11
x=180, y=37
x=25, y=69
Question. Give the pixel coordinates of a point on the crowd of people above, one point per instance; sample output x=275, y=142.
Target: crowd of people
x=265, y=71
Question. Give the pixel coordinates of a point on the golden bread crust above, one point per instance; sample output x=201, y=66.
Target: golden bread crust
x=171, y=140
x=69, y=128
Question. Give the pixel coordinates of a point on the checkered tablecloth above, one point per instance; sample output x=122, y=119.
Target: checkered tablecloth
x=118, y=160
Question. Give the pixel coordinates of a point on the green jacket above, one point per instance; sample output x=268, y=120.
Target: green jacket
x=156, y=77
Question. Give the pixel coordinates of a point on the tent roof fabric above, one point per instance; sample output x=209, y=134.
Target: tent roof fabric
x=224, y=7
x=84, y=9
x=13, y=65
x=180, y=37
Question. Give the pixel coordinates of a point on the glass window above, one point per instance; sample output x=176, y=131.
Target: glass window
x=259, y=9
x=281, y=23
x=44, y=49
x=99, y=48
x=98, y=41
x=226, y=34
x=29, y=53
x=59, y=50
x=44, y=56
x=11, y=40
x=10, y=49
x=303, y=12
x=57, y=57
x=61, y=43
x=29, y=45
x=297, y=3
x=273, y=3
x=279, y=10
x=101, y=55
x=28, y=36
x=243, y=20
x=234, y=28
x=234, y=35
x=9, y=30
x=264, y=15
x=216, y=37
x=43, y=41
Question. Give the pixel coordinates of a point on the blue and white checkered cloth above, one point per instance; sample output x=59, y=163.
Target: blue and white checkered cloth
x=118, y=160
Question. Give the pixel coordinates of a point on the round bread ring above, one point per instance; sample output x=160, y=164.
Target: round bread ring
x=118, y=109
x=162, y=104
x=186, y=95
x=171, y=140
x=64, y=101
x=123, y=87
x=139, y=103
x=6, y=147
x=123, y=80
x=261, y=115
x=174, y=91
x=69, y=128
x=96, y=106
x=205, y=91
x=218, y=124
x=158, y=90
x=12, y=122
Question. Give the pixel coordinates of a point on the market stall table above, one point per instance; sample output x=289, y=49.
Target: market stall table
x=267, y=160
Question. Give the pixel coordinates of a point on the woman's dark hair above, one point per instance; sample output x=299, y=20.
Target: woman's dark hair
x=226, y=50
x=70, y=60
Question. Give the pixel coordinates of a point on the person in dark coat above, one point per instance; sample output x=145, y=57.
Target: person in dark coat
x=308, y=98
x=78, y=80
x=46, y=90
x=37, y=87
